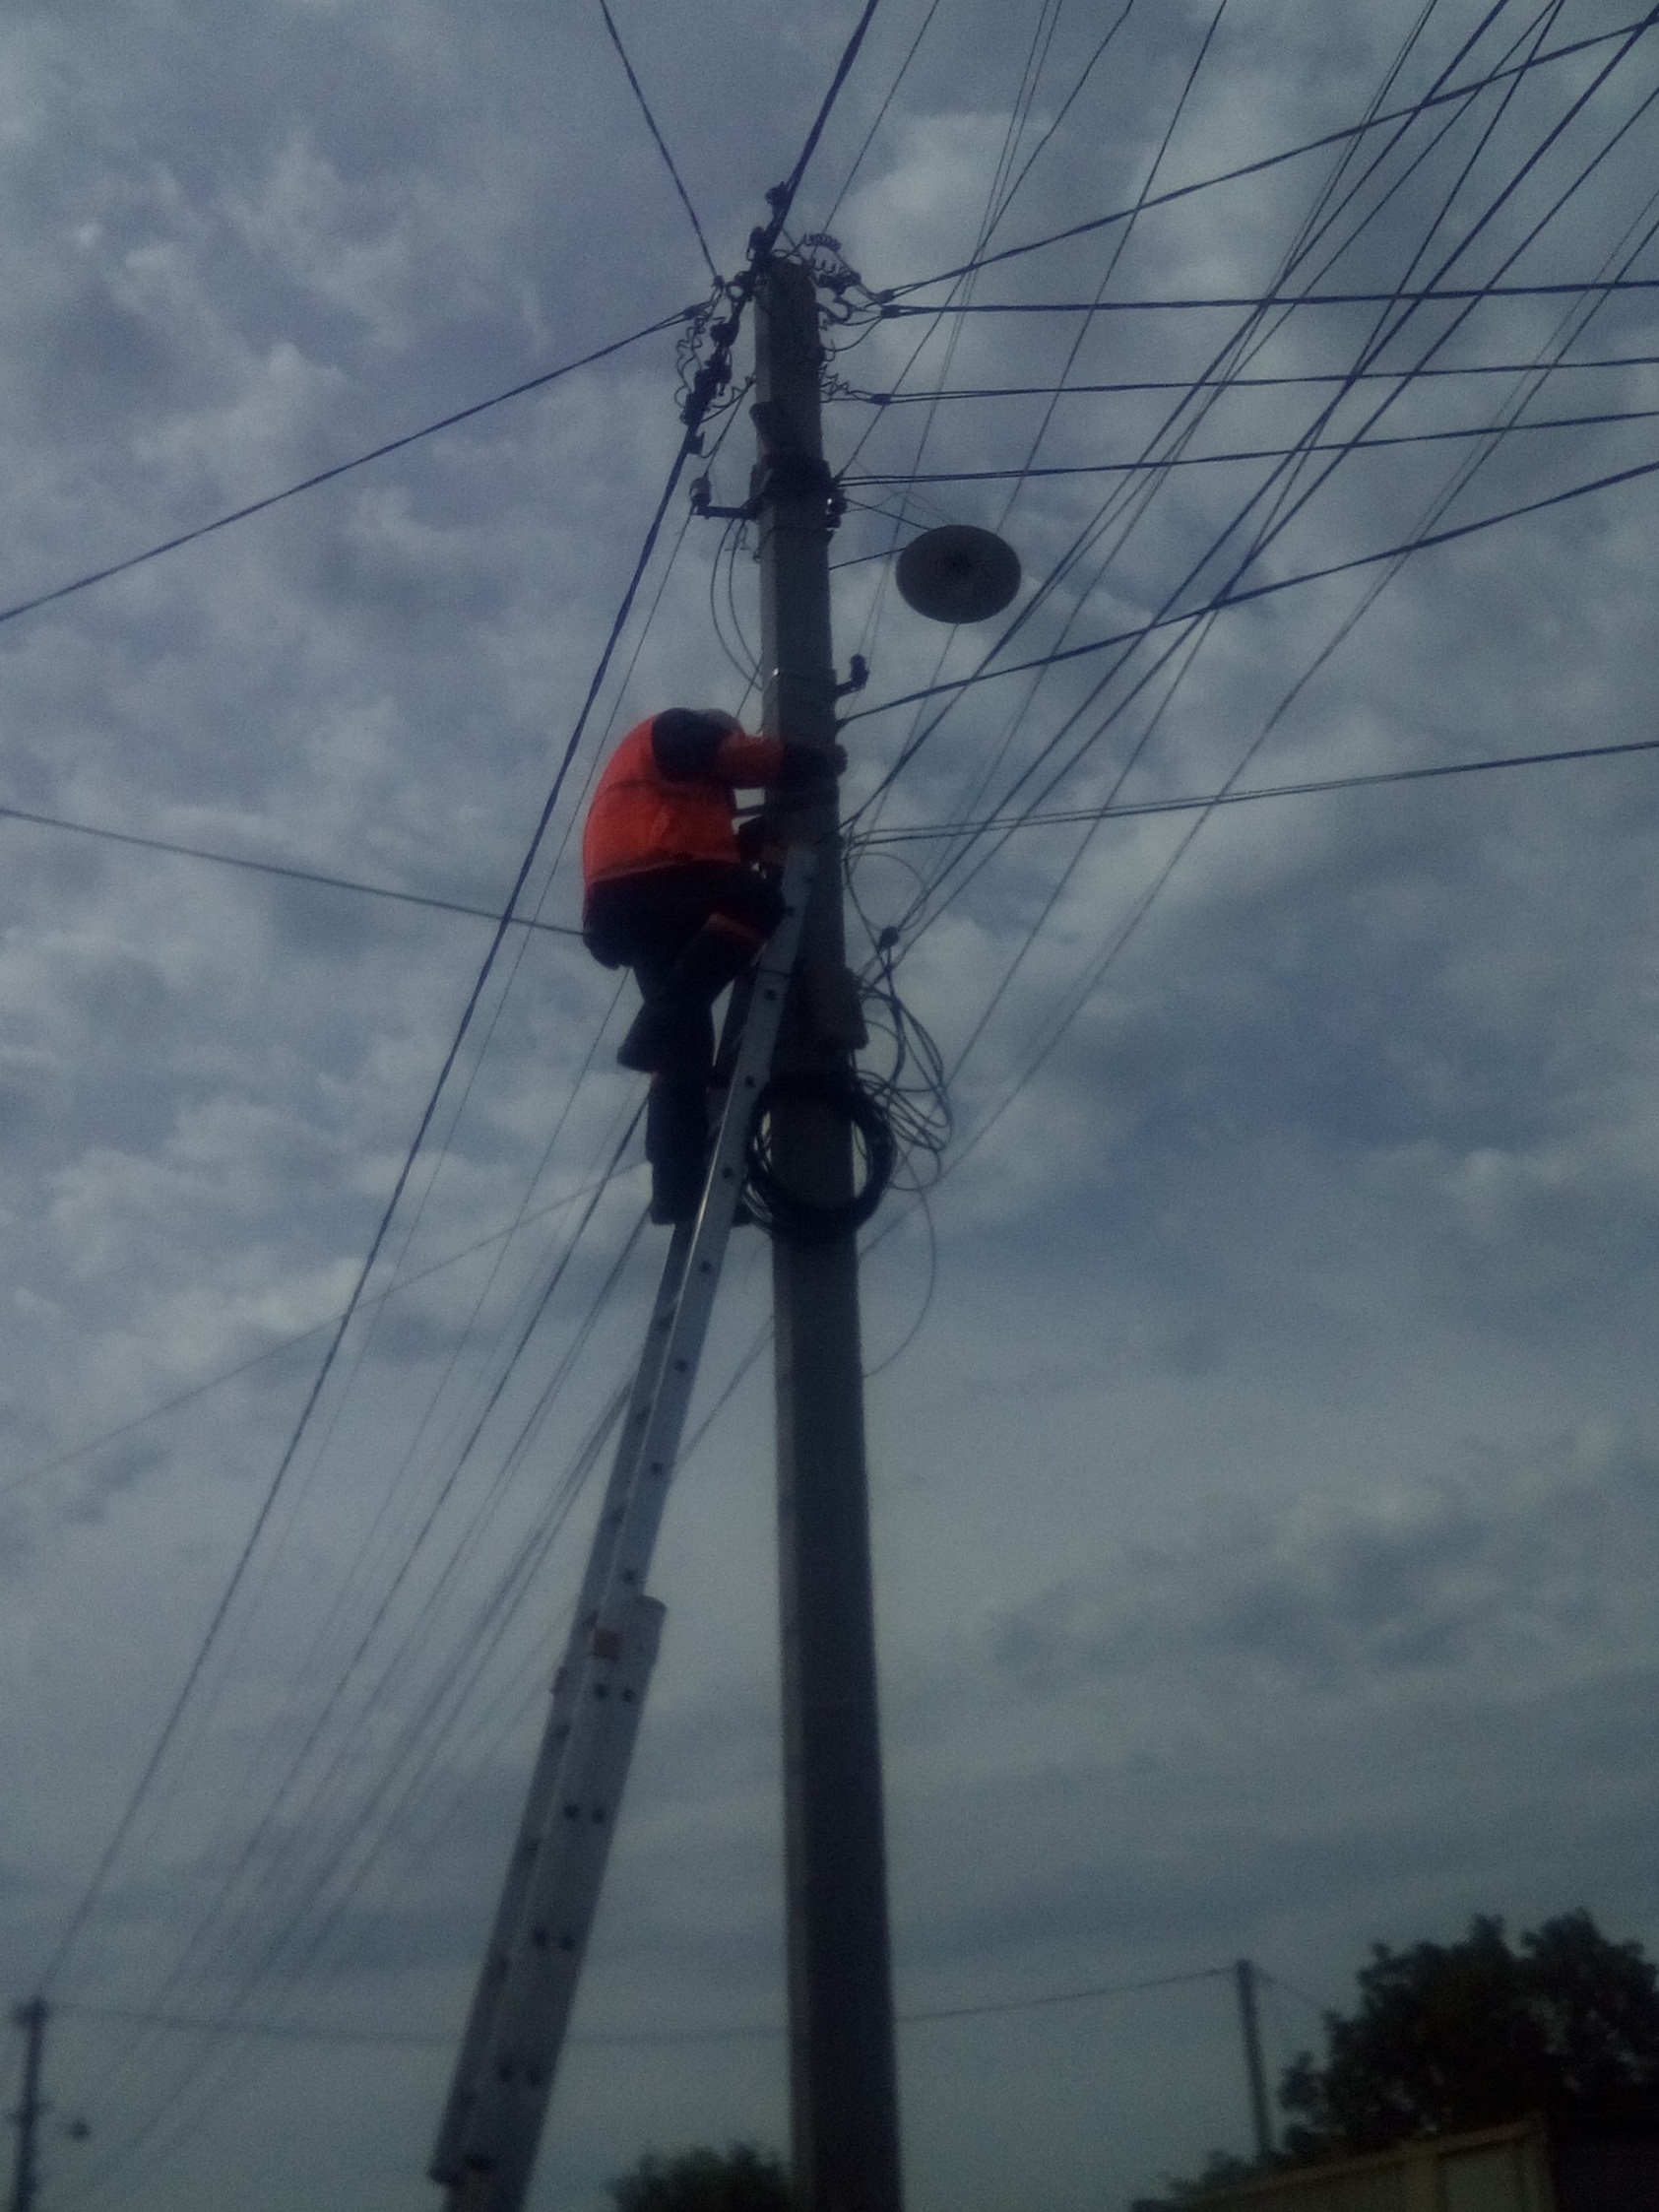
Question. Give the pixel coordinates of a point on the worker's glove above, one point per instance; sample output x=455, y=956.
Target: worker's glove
x=810, y=764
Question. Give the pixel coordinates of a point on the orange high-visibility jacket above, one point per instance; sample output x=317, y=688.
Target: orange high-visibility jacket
x=666, y=797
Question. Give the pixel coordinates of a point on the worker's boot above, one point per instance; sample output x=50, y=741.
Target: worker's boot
x=677, y=1135
x=674, y=1029
x=676, y=1024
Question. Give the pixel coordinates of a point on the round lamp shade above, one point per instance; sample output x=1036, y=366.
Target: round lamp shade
x=958, y=573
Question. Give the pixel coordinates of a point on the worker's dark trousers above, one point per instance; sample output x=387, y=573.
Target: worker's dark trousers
x=687, y=932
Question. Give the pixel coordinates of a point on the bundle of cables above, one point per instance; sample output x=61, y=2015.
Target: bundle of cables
x=898, y=1111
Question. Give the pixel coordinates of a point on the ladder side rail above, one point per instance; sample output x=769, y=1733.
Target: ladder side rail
x=636, y=1540
x=444, y=2163
x=536, y=2003
x=491, y=2164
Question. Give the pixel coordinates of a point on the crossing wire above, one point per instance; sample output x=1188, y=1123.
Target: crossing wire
x=1228, y=597
x=881, y=115
x=83, y=1906
x=1080, y=994
x=511, y=1364
x=447, y=1709
x=997, y=205
x=603, y=1181
x=1354, y=132
x=1315, y=226
x=1142, y=907
x=1120, y=247
x=1196, y=637
x=1134, y=919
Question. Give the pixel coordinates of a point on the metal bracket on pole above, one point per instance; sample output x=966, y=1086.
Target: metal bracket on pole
x=503, y=2079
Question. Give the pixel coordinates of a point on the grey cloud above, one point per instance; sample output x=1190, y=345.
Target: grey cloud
x=1203, y=1629
x=1485, y=1568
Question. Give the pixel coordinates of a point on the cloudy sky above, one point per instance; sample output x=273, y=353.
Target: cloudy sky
x=1264, y=1422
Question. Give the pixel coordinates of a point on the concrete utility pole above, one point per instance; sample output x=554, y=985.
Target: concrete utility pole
x=1250, y=2024
x=843, y=2072
x=32, y=2019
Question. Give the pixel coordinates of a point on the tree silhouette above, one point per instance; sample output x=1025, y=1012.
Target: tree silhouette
x=739, y=2179
x=1465, y=2034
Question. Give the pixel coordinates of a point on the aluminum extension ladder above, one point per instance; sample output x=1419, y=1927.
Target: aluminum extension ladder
x=503, y=2079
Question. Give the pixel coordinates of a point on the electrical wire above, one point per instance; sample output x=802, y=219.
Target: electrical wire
x=1438, y=507
x=290, y=871
x=288, y=1344
x=83, y=1906
x=1290, y=1988
x=905, y=2016
x=1424, y=296
x=1005, y=979
x=1482, y=764
x=1079, y=543
x=697, y=407
x=1120, y=247
x=1349, y=136
x=998, y=204
x=1134, y=809
x=340, y=468
x=1423, y=542
x=1343, y=446
x=1127, y=385
x=662, y=144
x=1080, y=994
x=438, y=1718
x=781, y=198
x=1163, y=877
x=1314, y=226
x=880, y=115
x=306, y=1814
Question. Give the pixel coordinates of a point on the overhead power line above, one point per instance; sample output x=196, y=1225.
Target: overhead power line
x=881, y=115
x=284, y=868
x=781, y=198
x=340, y=468
x=406, y=2038
x=1123, y=386
x=169, y=1727
x=1194, y=633
x=1128, y=808
x=1403, y=297
x=1315, y=229
x=1264, y=591
x=1354, y=131
x=225, y=1375
x=662, y=143
x=1260, y=452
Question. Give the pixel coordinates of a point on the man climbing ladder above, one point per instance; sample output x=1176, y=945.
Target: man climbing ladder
x=672, y=889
